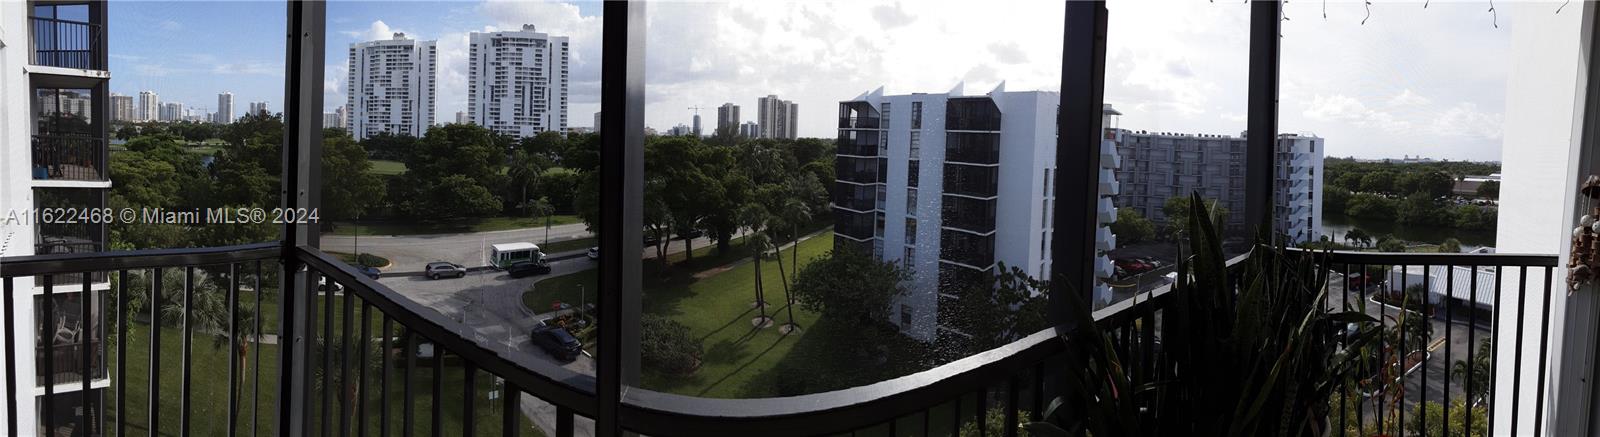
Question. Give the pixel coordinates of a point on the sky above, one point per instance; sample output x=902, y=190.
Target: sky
x=1410, y=81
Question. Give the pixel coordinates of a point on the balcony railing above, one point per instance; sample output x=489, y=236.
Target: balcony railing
x=1008, y=381
x=71, y=353
x=66, y=43
x=69, y=157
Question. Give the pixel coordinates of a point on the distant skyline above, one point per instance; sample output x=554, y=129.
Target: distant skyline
x=1380, y=90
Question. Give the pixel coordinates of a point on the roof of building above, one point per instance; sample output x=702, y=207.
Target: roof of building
x=521, y=245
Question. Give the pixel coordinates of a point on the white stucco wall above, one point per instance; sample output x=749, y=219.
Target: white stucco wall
x=1541, y=93
x=16, y=193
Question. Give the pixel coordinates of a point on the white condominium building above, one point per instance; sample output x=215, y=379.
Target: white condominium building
x=149, y=106
x=172, y=112
x=391, y=86
x=258, y=108
x=1157, y=166
x=55, y=88
x=951, y=185
x=777, y=118
x=224, y=112
x=518, y=82
x=122, y=108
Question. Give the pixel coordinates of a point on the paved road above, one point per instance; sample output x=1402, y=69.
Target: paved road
x=489, y=303
x=410, y=253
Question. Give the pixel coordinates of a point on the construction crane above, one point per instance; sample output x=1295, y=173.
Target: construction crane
x=696, y=119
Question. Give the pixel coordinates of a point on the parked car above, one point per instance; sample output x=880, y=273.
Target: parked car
x=441, y=269
x=322, y=285
x=527, y=268
x=557, y=342
x=594, y=253
x=1133, y=266
x=370, y=271
x=1357, y=281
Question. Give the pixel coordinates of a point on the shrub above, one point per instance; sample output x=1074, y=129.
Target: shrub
x=370, y=260
x=667, y=346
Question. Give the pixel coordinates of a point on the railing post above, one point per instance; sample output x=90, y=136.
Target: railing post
x=1262, y=123
x=621, y=208
x=1083, y=65
x=302, y=151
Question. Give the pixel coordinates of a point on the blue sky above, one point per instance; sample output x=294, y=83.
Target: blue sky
x=1410, y=81
x=188, y=52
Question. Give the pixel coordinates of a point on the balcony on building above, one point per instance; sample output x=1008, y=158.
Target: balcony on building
x=68, y=38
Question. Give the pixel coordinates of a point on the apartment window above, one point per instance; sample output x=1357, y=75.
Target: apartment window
x=1047, y=182
x=910, y=259
x=905, y=315
x=916, y=115
x=911, y=201
x=1044, y=211
x=877, y=229
x=912, y=172
x=916, y=144
x=885, y=117
x=911, y=231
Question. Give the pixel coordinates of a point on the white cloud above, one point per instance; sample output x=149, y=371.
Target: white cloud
x=1408, y=98
x=892, y=16
x=1465, y=120
x=819, y=53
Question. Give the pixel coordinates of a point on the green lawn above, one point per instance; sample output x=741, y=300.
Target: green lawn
x=741, y=362
x=209, y=390
x=385, y=167
x=454, y=227
x=559, y=246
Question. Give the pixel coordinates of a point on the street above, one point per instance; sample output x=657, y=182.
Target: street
x=489, y=302
x=409, y=253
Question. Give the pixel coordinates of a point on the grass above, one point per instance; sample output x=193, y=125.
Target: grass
x=739, y=361
x=488, y=224
x=209, y=387
x=386, y=167
x=568, y=245
x=209, y=364
x=203, y=150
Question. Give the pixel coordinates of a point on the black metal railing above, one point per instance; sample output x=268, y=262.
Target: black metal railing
x=70, y=353
x=1464, y=298
x=972, y=147
x=69, y=157
x=66, y=43
x=855, y=197
x=361, y=352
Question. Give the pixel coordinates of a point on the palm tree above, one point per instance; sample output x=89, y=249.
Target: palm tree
x=541, y=207
x=524, y=169
x=755, y=217
x=209, y=313
x=1482, y=372
x=1356, y=236
x=795, y=213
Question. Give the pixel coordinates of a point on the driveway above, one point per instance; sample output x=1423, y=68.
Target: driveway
x=489, y=302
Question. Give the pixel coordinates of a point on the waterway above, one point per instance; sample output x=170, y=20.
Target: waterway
x=1335, y=226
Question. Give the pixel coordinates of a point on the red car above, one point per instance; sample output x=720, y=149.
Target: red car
x=1133, y=266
